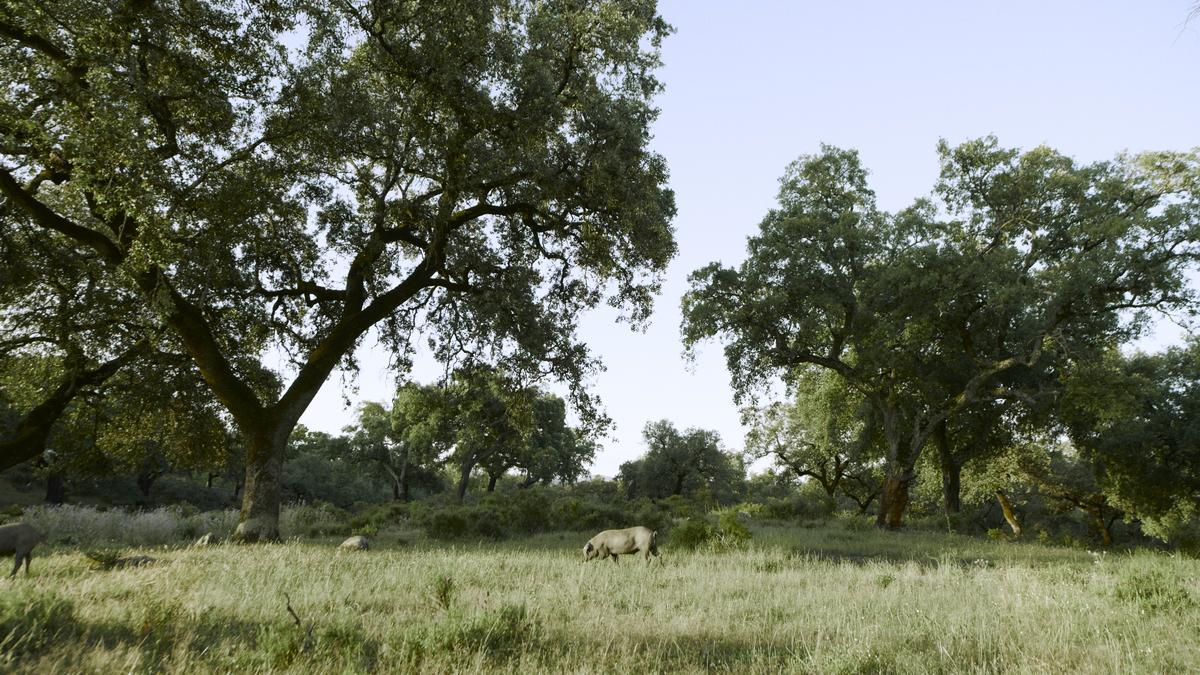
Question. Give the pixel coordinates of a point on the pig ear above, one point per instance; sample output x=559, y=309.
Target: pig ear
x=589, y=547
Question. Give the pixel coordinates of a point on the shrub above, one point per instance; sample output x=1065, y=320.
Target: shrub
x=692, y=533
x=314, y=520
x=730, y=532
x=83, y=525
x=445, y=524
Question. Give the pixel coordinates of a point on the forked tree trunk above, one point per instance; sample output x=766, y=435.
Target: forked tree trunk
x=145, y=481
x=1010, y=517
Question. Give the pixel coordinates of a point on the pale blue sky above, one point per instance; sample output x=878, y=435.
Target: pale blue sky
x=752, y=85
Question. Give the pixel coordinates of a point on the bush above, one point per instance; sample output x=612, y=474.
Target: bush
x=692, y=533
x=730, y=532
x=314, y=520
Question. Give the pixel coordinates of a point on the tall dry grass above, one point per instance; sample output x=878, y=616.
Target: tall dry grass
x=824, y=599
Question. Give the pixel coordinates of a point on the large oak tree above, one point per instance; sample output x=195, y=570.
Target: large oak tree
x=473, y=171
x=1029, y=260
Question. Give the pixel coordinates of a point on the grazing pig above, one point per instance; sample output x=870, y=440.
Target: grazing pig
x=611, y=543
x=19, y=540
x=356, y=543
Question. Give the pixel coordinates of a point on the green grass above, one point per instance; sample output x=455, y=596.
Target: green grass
x=823, y=599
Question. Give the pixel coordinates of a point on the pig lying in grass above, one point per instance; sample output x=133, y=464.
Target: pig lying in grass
x=19, y=540
x=611, y=543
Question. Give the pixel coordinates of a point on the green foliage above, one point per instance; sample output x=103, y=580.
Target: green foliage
x=315, y=519
x=699, y=532
x=474, y=173
x=826, y=434
x=1136, y=424
x=527, y=512
x=692, y=533
x=689, y=464
x=936, y=309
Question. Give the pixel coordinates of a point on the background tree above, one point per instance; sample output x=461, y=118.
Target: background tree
x=491, y=416
x=1135, y=422
x=689, y=464
x=475, y=171
x=824, y=434
x=1040, y=258
x=374, y=443
x=421, y=425
x=556, y=451
x=552, y=450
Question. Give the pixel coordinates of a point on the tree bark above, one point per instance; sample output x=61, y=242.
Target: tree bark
x=56, y=488
x=899, y=473
x=1102, y=526
x=893, y=501
x=1009, y=516
x=492, y=478
x=951, y=470
x=529, y=482
x=404, y=477
x=464, y=477
x=259, y=520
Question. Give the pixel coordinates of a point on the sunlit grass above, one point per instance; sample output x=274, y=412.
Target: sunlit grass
x=821, y=599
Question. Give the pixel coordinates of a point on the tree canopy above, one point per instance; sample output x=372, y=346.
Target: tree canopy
x=1026, y=260
x=691, y=463
x=476, y=172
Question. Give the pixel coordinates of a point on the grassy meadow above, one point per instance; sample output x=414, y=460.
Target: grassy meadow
x=828, y=598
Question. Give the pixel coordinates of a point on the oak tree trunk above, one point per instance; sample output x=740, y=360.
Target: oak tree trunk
x=259, y=520
x=951, y=470
x=404, y=478
x=902, y=453
x=892, y=503
x=1102, y=526
x=56, y=489
x=464, y=477
x=492, y=478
